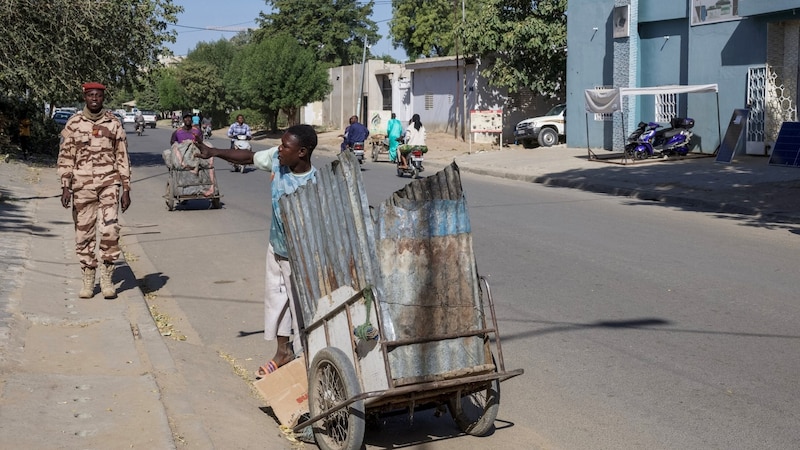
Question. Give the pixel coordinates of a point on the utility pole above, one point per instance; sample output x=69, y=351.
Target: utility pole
x=363, y=70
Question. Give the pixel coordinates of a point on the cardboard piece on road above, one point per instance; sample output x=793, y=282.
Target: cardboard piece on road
x=286, y=391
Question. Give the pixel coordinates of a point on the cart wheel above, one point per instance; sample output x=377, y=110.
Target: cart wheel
x=475, y=413
x=216, y=203
x=332, y=380
x=374, y=153
x=170, y=198
x=399, y=172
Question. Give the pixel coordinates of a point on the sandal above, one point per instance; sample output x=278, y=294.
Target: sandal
x=266, y=369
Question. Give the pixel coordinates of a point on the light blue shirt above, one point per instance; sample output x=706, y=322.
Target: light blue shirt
x=283, y=182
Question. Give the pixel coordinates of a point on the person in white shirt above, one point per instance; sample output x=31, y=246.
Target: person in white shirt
x=415, y=138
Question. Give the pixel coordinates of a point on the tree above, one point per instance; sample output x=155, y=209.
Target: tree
x=217, y=54
x=170, y=92
x=49, y=48
x=281, y=75
x=427, y=27
x=521, y=43
x=335, y=30
x=202, y=87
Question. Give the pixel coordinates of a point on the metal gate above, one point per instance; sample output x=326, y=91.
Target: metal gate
x=756, y=99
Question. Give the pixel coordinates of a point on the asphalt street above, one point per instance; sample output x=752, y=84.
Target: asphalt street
x=83, y=374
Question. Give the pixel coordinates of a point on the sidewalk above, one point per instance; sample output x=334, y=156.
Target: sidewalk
x=92, y=374
x=74, y=374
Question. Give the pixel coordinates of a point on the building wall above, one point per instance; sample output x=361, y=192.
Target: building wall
x=441, y=91
x=670, y=51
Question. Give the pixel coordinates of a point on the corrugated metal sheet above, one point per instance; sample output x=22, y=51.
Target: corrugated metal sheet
x=330, y=235
x=429, y=276
x=416, y=252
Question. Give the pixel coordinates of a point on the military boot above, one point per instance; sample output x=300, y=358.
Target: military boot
x=87, y=291
x=106, y=285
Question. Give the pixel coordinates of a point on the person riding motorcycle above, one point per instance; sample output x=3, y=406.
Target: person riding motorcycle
x=239, y=128
x=206, y=127
x=355, y=132
x=139, y=121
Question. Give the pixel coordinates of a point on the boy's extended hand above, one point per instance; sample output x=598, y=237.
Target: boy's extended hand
x=204, y=150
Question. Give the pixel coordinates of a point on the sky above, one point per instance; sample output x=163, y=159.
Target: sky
x=205, y=20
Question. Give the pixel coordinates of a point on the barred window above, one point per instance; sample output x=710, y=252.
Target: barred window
x=428, y=101
x=666, y=107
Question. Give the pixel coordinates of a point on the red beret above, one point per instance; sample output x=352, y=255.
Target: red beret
x=87, y=86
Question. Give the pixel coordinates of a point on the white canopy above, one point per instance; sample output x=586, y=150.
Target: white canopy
x=607, y=101
x=670, y=89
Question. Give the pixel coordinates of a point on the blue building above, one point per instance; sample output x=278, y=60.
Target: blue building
x=749, y=48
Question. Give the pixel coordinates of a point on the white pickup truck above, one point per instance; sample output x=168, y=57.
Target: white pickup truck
x=545, y=130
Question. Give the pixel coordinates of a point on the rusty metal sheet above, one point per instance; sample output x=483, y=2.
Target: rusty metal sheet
x=430, y=278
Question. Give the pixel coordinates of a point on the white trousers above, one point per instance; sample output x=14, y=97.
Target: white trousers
x=279, y=314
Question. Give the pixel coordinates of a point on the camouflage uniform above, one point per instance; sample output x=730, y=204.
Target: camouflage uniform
x=93, y=162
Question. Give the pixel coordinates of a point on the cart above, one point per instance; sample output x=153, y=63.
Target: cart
x=379, y=146
x=188, y=177
x=393, y=315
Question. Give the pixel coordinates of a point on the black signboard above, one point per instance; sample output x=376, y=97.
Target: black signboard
x=787, y=147
x=733, y=136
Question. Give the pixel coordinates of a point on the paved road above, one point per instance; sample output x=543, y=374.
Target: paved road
x=207, y=402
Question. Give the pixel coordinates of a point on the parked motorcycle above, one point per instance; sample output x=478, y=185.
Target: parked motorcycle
x=633, y=139
x=206, y=131
x=675, y=141
x=241, y=142
x=176, y=122
x=666, y=142
x=415, y=159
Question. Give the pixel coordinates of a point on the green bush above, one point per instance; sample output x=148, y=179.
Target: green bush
x=251, y=117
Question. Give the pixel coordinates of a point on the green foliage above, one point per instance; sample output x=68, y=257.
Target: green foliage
x=147, y=97
x=44, y=132
x=171, y=94
x=278, y=74
x=202, y=87
x=521, y=43
x=252, y=117
x=217, y=54
x=50, y=48
x=335, y=30
x=427, y=27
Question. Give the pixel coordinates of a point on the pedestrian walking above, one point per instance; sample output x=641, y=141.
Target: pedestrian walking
x=93, y=165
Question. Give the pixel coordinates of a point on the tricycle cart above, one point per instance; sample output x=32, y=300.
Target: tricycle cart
x=379, y=146
x=394, y=315
x=189, y=177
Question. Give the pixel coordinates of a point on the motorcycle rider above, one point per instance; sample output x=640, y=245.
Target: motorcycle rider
x=415, y=138
x=207, y=127
x=239, y=128
x=355, y=132
x=139, y=120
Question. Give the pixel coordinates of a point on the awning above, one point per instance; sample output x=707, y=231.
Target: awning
x=130, y=103
x=670, y=89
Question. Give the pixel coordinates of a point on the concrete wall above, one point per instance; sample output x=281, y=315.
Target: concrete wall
x=662, y=49
x=453, y=91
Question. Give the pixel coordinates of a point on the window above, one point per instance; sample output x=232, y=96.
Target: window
x=386, y=92
x=666, y=107
x=428, y=101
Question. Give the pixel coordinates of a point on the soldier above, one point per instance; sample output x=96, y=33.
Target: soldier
x=92, y=165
